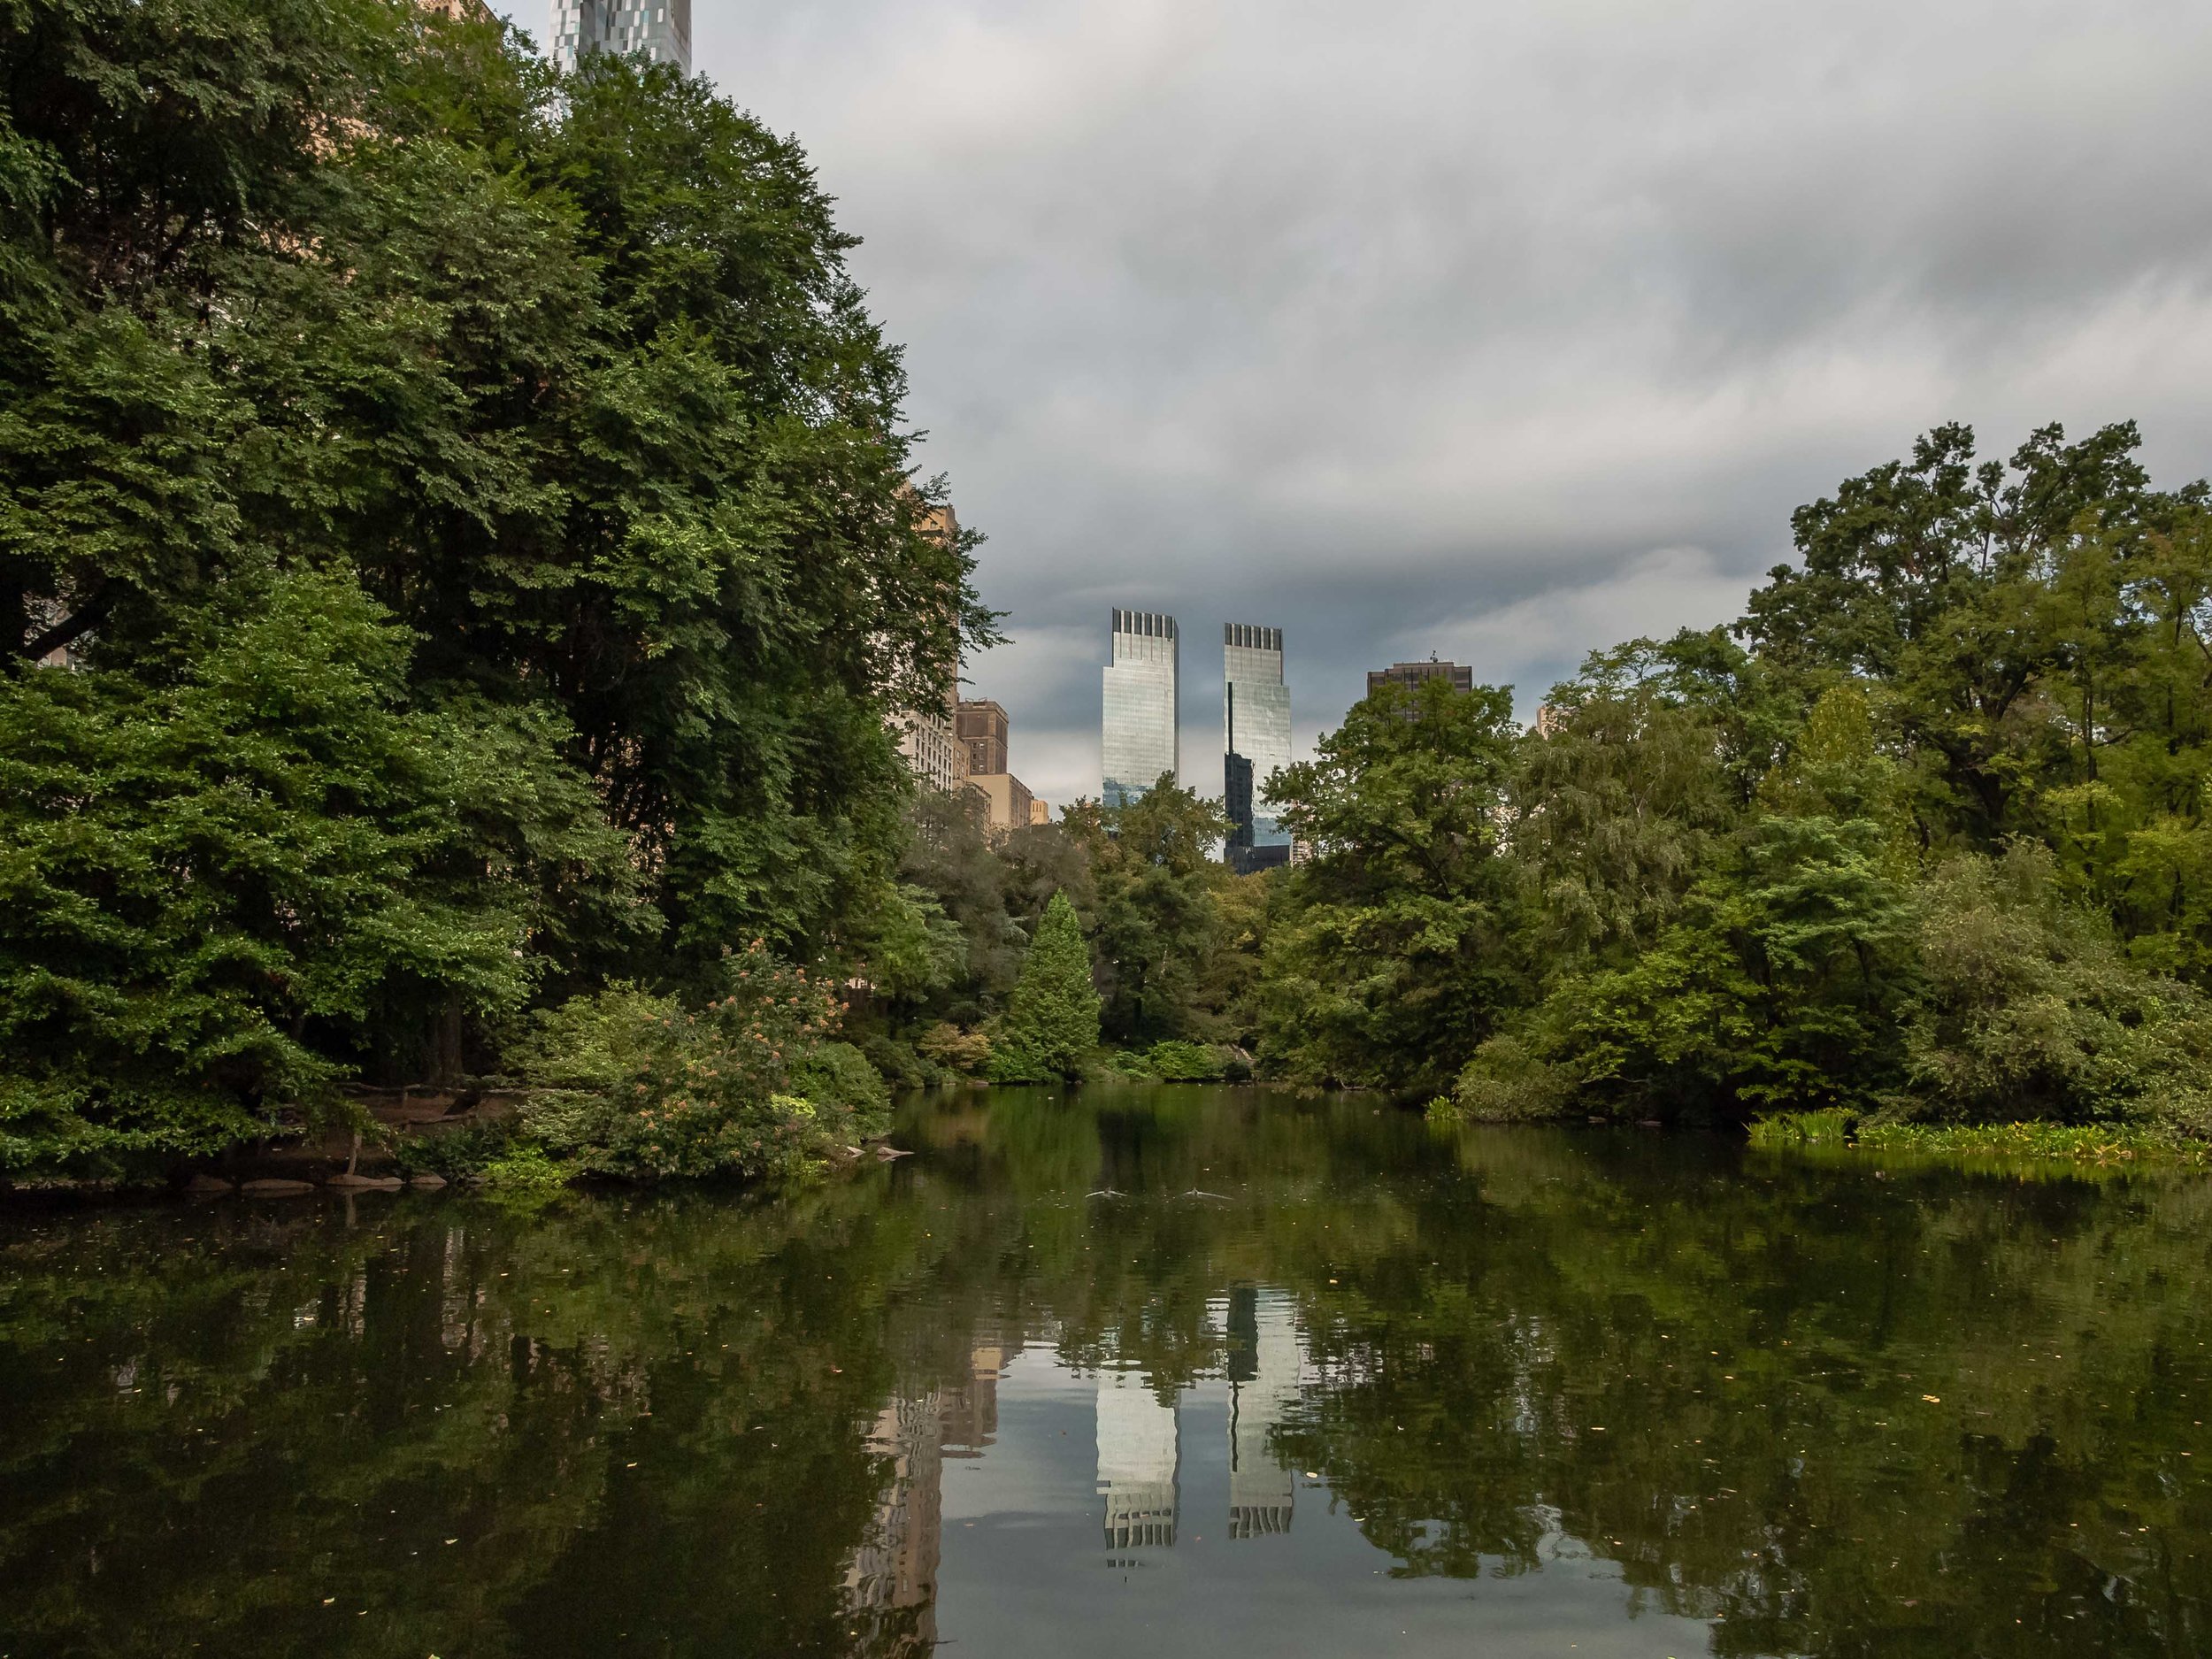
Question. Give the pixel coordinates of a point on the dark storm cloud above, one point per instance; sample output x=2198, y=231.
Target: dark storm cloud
x=1507, y=330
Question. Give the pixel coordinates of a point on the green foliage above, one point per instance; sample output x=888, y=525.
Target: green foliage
x=220, y=883
x=1398, y=950
x=1154, y=917
x=635, y=1086
x=1051, y=1023
x=456, y=1154
x=474, y=507
x=966, y=1052
x=1758, y=880
x=1832, y=1127
x=1508, y=1082
x=1173, y=1061
x=2032, y=1010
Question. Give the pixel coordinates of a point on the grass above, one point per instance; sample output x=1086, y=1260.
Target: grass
x=2015, y=1142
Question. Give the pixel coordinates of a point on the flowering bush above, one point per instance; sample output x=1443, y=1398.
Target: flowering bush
x=754, y=1083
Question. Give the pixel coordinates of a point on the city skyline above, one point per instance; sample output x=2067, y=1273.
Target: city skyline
x=1495, y=336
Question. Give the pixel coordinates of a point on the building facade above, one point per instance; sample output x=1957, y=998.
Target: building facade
x=1255, y=737
x=930, y=741
x=1142, y=737
x=983, y=727
x=1413, y=676
x=660, y=29
x=1006, y=800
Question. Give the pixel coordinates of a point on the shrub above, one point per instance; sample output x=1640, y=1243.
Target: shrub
x=1174, y=1061
x=896, y=1063
x=632, y=1086
x=1506, y=1082
x=838, y=1078
x=966, y=1052
x=2032, y=1011
x=455, y=1153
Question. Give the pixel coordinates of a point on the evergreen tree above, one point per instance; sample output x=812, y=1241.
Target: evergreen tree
x=1052, y=1026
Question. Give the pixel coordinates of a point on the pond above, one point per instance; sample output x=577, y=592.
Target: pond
x=1167, y=1371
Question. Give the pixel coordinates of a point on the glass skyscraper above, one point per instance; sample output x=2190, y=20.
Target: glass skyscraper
x=661, y=30
x=1255, y=736
x=1142, y=737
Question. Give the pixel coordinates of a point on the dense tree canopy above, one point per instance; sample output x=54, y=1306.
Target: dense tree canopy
x=474, y=505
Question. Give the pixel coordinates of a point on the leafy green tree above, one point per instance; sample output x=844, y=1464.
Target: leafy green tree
x=2032, y=1011
x=558, y=391
x=219, y=884
x=1051, y=1024
x=1155, y=885
x=1783, y=983
x=1397, y=951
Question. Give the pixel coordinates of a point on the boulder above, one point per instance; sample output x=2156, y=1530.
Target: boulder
x=428, y=1181
x=209, y=1184
x=277, y=1189
x=366, y=1183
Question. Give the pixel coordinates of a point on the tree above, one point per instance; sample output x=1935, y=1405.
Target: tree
x=1396, y=953
x=1155, y=913
x=558, y=392
x=1051, y=1024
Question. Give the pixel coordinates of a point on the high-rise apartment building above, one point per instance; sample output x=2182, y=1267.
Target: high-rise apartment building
x=984, y=734
x=1142, y=737
x=983, y=727
x=930, y=741
x=1412, y=676
x=661, y=30
x=1255, y=739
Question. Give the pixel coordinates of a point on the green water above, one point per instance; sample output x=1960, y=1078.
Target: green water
x=1161, y=1371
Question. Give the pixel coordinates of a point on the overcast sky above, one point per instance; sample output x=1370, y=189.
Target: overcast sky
x=1504, y=331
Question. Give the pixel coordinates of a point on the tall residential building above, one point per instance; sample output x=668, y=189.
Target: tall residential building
x=1256, y=737
x=983, y=727
x=1141, y=738
x=930, y=741
x=1006, y=799
x=984, y=732
x=1412, y=675
x=661, y=30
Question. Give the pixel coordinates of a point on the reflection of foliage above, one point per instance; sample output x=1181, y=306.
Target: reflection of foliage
x=1708, y=1366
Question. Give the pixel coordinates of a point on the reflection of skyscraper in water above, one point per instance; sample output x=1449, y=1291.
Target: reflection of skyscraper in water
x=971, y=1412
x=1139, y=1447
x=891, y=1582
x=1265, y=1371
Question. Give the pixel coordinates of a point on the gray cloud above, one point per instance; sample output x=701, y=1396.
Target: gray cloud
x=1502, y=329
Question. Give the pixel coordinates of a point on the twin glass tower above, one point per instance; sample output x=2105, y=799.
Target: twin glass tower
x=1143, y=738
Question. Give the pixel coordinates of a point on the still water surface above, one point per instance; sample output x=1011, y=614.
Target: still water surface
x=1158, y=1371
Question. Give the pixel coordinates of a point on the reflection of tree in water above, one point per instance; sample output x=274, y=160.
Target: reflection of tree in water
x=661, y=1421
